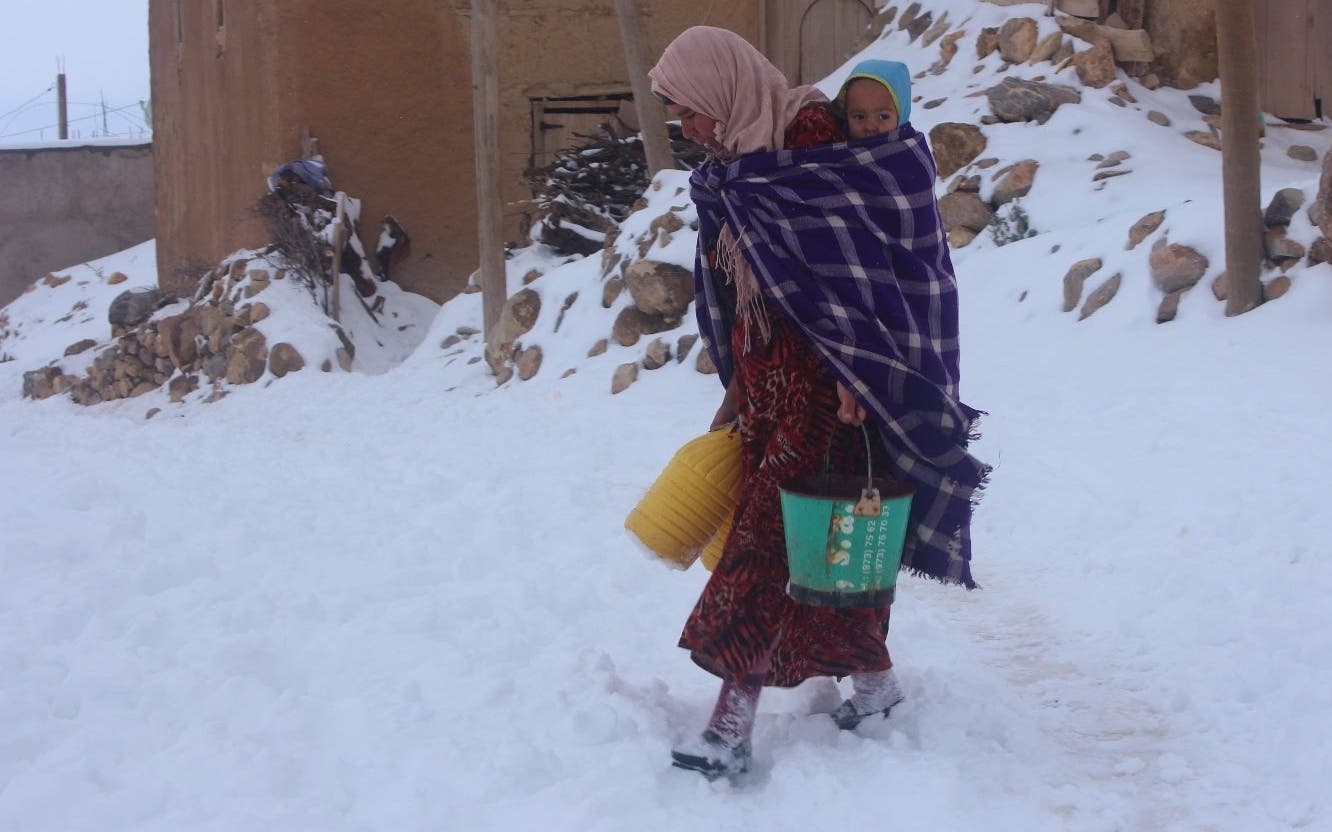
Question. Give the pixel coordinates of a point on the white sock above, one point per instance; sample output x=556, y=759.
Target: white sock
x=875, y=691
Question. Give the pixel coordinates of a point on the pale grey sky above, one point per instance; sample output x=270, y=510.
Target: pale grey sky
x=104, y=45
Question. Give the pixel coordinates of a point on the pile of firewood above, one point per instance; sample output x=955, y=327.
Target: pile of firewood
x=594, y=186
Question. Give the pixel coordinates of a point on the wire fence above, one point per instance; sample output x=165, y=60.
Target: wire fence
x=127, y=120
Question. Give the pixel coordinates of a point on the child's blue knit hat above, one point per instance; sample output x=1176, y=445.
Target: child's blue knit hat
x=892, y=74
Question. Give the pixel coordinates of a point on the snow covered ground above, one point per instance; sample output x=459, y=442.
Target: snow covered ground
x=406, y=601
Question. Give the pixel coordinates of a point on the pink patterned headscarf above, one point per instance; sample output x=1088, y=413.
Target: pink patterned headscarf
x=719, y=74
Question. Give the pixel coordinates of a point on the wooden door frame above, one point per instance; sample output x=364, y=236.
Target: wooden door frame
x=800, y=34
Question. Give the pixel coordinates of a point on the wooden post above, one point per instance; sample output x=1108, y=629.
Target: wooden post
x=651, y=117
x=339, y=243
x=485, y=131
x=62, y=105
x=309, y=144
x=1237, y=59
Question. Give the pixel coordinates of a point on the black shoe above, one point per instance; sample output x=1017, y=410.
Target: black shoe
x=847, y=717
x=711, y=756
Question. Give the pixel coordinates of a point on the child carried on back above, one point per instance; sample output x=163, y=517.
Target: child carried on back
x=874, y=99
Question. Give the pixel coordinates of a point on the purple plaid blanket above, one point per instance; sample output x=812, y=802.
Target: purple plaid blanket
x=846, y=240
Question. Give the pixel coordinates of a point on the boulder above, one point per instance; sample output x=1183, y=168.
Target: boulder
x=625, y=375
x=569, y=301
x=1175, y=266
x=1143, y=228
x=610, y=291
x=663, y=289
x=1281, y=251
x=1096, y=66
x=1075, y=278
x=1320, y=212
x=40, y=384
x=1275, y=288
x=181, y=386
x=1017, y=100
x=955, y=145
x=1204, y=138
x=669, y=222
x=935, y=31
x=215, y=366
x=1046, y=49
x=1205, y=104
x=962, y=209
x=948, y=49
x=684, y=345
x=987, y=41
x=633, y=323
x=1169, y=307
x=704, y=365
x=970, y=184
x=1017, y=39
x=610, y=260
x=80, y=346
x=215, y=326
x=528, y=362
x=1104, y=294
x=657, y=355
x=284, y=358
x=1283, y=206
x=134, y=306
x=517, y=317
x=961, y=237
x=918, y=25
x=1122, y=91
x=1015, y=182
x=249, y=357
x=1320, y=251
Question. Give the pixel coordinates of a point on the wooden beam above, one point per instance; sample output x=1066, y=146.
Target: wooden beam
x=485, y=133
x=1128, y=44
x=1237, y=60
x=62, y=106
x=339, y=244
x=1081, y=8
x=651, y=115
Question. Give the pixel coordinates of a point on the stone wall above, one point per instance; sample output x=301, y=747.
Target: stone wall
x=64, y=205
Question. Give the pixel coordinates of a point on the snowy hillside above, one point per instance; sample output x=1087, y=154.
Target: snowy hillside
x=405, y=600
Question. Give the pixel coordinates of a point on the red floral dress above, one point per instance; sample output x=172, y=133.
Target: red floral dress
x=788, y=427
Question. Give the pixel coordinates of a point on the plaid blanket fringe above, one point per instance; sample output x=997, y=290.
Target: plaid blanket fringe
x=847, y=241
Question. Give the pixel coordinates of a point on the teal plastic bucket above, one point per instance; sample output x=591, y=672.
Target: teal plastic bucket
x=844, y=538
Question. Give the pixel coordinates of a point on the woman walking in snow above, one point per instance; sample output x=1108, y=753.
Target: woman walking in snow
x=826, y=297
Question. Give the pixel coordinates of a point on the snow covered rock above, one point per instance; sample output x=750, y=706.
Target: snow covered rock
x=1176, y=266
x=1015, y=100
x=1075, y=278
x=955, y=145
x=1017, y=39
x=662, y=289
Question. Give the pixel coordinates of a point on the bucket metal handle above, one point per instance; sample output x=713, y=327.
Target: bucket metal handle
x=870, y=504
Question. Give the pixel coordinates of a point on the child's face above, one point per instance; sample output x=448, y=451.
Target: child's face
x=869, y=109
